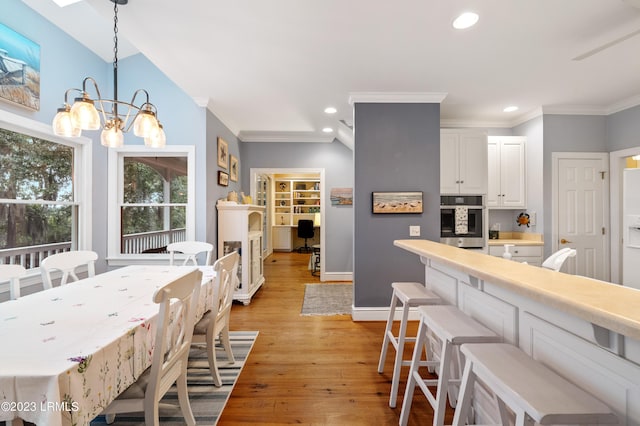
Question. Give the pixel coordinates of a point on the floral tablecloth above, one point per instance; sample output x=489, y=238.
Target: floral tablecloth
x=69, y=351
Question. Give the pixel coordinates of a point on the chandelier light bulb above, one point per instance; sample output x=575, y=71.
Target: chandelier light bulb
x=144, y=123
x=85, y=114
x=157, y=138
x=63, y=124
x=112, y=136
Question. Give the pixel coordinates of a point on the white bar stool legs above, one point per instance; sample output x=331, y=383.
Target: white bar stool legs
x=453, y=328
x=409, y=294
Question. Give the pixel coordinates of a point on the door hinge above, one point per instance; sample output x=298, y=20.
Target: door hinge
x=602, y=175
x=603, y=232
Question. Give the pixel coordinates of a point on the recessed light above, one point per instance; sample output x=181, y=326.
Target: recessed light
x=63, y=3
x=510, y=108
x=327, y=130
x=330, y=110
x=466, y=20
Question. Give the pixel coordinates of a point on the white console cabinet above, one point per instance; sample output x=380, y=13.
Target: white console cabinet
x=240, y=229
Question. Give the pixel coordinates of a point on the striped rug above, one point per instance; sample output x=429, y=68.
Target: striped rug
x=207, y=401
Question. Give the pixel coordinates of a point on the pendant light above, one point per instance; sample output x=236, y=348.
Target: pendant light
x=114, y=116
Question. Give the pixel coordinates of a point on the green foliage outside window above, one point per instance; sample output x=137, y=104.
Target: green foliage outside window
x=34, y=169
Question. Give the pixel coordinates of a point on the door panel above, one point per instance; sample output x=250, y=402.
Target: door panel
x=580, y=213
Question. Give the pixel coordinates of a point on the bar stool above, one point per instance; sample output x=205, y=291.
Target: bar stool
x=534, y=392
x=452, y=327
x=409, y=294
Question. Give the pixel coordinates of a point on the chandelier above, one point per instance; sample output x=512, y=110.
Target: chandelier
x=114, y=116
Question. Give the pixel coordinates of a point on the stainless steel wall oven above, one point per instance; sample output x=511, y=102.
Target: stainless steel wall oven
x=461, y=221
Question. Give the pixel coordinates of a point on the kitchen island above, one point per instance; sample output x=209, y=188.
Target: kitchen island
x=587, y=330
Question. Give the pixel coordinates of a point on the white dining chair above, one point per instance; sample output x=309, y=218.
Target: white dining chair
x=12, y=273
x=191, y=249
x=557, y=259
x=215, y=323
x=174, y=330
x=67, y=262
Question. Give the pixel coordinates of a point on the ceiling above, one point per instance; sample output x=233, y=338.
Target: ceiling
x=268, y=69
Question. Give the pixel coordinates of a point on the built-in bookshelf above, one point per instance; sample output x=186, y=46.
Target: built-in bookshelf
x=295, y=199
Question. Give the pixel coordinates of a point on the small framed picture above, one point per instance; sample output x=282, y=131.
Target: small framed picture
x=233, y=168
x=397, y=202
x=223, y=178
x=223, y=153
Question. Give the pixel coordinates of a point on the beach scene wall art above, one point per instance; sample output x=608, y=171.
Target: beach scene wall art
x=19, y=69
x=341, y=196
x=397, y=202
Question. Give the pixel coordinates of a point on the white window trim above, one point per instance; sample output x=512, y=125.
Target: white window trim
x=82, y=177
x=115, y=194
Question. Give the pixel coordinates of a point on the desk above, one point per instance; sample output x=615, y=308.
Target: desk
x=71, y=350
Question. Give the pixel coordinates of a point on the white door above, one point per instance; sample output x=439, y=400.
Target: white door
x=581, y=212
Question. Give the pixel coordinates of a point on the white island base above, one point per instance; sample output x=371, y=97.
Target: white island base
x=586, y=330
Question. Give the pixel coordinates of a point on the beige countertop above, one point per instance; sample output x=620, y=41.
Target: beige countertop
x=518, y=239
x=608, y=305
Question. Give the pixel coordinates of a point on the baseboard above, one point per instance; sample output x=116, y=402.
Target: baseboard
x=337, y=276
x=381, y=314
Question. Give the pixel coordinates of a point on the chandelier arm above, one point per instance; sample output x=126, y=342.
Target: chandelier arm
x=99, y=99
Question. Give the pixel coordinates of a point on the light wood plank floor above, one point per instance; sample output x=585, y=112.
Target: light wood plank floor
x=312, y=369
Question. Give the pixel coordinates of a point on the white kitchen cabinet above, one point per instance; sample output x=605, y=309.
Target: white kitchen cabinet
x=507, y=172
x=532, y=254
x=240, y=229
x=463, y=162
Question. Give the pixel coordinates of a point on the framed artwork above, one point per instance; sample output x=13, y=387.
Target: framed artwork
x=223, y=153
x=223, y=178
x=397, y=202
x=233, y=168
x=19, y=69
x=341, y=196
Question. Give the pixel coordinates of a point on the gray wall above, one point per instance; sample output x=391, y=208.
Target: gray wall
x=568, y=133
x=623, y=129
x=209, y=164
x=397, y=148
x=337, y=160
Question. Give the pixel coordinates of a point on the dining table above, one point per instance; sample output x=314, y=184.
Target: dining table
x=69, y=351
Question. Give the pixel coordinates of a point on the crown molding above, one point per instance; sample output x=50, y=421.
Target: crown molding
x=574, y=110
x=270, y=136
x=627, y=103
x=457, y=124
x=396, y=97
x=202, y=102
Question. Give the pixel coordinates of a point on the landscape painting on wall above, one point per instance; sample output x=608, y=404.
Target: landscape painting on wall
x=19, y=69
x=341, y=196
x=397, y=202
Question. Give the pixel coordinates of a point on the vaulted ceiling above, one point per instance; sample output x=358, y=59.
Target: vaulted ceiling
x=269, y=68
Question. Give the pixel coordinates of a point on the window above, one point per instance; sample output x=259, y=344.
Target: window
x=151, y=201
x=41, y=206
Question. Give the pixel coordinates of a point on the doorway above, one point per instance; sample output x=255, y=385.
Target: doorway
x=301, y=197
x=618, y=162
x=581, y=211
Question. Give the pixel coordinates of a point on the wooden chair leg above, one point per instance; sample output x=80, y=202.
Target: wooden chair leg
x=397, y=366
x=183, y=399
x=387, y=331
x=413, y=374
x=226, y=344
x=464, y=398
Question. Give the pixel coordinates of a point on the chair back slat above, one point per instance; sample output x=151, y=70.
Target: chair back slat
x=191, y=249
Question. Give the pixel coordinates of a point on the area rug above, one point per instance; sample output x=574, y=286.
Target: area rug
x=207, y=401
x=327, y=299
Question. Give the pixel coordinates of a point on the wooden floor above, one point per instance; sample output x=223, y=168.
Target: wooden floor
x=312, y=369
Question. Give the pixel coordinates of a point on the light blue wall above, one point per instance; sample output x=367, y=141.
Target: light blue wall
x=337, y=160
x=397, y=148
x=64, y=64
x=534, y=131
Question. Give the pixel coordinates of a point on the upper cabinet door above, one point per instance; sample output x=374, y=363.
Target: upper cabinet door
x=463, y=162
x=507, y=174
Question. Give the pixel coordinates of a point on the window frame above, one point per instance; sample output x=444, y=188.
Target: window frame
x=82, y=176
x=116, y=197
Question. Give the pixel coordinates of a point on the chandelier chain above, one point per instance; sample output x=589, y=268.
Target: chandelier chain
x=115, y=34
